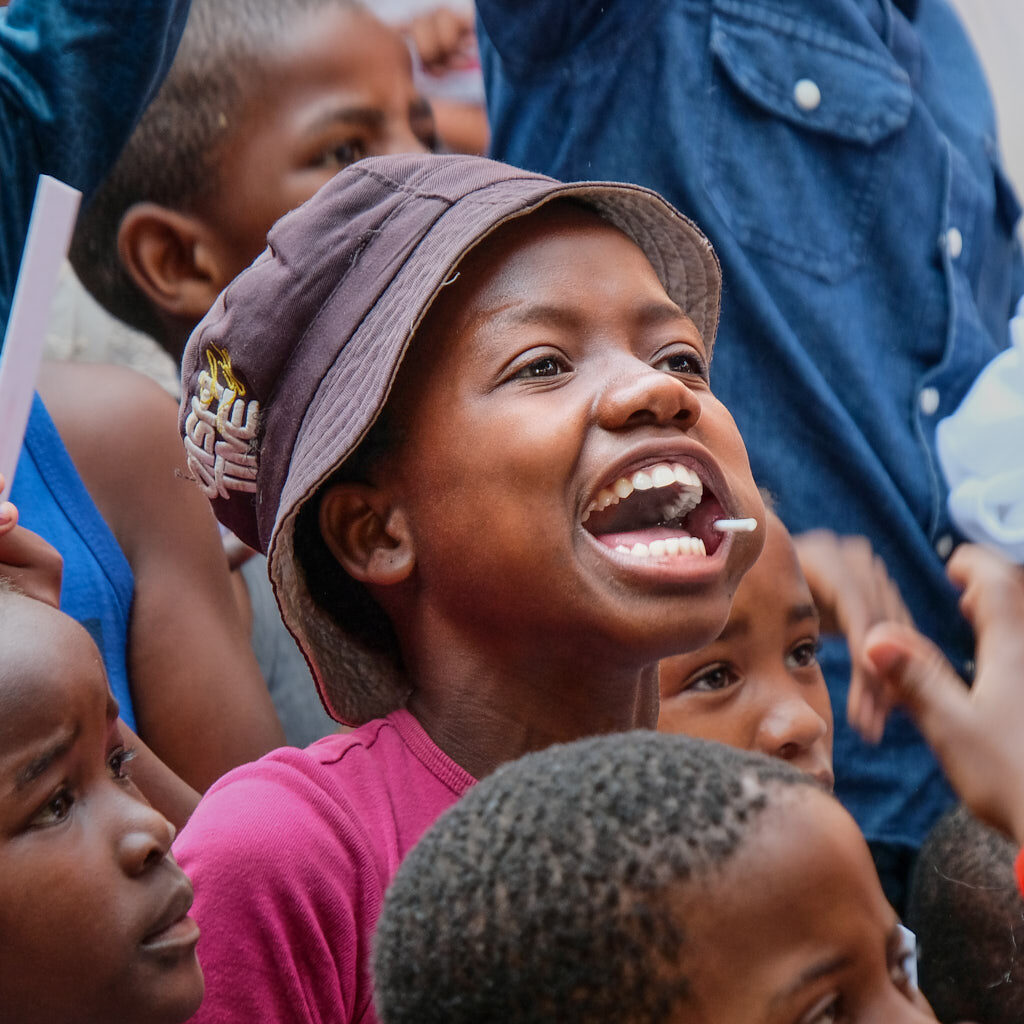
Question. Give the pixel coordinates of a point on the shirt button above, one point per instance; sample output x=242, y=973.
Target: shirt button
x=928, y=400
x=807, y=94
x=954, y=243
x=944, y=546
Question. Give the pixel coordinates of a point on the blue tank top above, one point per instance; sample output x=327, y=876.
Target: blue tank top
x=98, y=585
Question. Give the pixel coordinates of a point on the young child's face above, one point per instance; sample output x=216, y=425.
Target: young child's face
x=800, y=928
x=758, y=686
x=93, y=909
x=338, y=88
x=557, y=425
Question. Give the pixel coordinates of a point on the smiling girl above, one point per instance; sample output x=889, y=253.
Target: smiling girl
x=419, y=399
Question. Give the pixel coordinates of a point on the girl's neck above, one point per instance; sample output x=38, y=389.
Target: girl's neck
x=485, y=710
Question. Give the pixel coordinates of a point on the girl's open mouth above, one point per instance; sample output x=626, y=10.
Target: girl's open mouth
x=661, y=511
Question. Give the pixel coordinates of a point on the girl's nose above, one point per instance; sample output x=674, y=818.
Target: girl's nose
x=639, y=394
x=791, y=728
x=144, y=834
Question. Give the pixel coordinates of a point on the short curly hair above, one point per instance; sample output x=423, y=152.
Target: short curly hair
x=541, y=896
x=172, y=156
x=966, y=908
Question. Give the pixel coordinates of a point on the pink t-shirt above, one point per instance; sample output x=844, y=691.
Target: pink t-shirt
x=290, y=857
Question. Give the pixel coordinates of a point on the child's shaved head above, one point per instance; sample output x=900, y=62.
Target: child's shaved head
x=966, y=908
x=550, y=883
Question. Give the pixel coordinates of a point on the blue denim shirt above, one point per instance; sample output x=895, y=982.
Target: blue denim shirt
x=841, y=155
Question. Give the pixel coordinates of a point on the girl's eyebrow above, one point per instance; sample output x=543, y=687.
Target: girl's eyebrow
x=809, y=975
x=799, y=612
x=539, y=313
x=38, y=765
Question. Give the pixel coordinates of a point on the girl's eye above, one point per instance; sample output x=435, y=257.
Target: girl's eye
x=340, y=156
x=56, y=809
x=546, y=366
x=826, y=1011
x=689, y=363
x=804, y=654
x=900, y=976
x=118, y=762
x=711, y=679
x=903, y=961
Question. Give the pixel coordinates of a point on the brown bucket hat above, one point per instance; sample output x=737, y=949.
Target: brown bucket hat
x=294, y=362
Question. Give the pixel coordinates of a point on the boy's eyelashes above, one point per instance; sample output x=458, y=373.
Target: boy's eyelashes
x=804, y=653
x=711, y=679
x=56, y=810
x=688, y=363
x=340, y=155
x=829, y=1009
x=58, y=805
x=720, y=675
x=543, y=366
x=899, y=954
x=118, y=761
x=421, y=120
x=826, y=1010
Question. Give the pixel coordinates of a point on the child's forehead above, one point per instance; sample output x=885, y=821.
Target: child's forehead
x=514, y=273
x=46, y=658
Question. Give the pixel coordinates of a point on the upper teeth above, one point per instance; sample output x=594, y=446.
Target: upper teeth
x=662, y=475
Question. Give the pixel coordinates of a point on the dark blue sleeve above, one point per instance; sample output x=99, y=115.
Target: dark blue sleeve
x=525, y=34
x=75, y=76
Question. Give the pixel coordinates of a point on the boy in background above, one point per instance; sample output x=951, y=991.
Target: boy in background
x=264, y=103
x=965, y=907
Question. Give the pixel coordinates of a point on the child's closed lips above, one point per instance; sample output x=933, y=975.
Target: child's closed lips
x=170, y=931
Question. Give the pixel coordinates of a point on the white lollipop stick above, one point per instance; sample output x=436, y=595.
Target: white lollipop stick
x=735, y=525
x=49, y=234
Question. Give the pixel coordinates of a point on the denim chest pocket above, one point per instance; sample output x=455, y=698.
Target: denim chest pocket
x=803, y=127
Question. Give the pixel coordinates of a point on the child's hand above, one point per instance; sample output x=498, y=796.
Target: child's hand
x=444, y=39
x=29, y=562
x=976, y=732
x=852, y=589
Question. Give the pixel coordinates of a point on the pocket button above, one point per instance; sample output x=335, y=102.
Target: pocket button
x=954, y=241
x=928, y=400
x=806, y=94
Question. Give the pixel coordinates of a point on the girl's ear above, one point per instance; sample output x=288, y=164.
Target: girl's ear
x=367, y=535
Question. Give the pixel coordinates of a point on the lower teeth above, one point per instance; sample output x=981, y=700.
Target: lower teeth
x=669, y=546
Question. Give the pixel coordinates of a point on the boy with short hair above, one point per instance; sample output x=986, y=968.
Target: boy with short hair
x=642, y=879
x=965, y=907
x=419, y=399
x=264, y=102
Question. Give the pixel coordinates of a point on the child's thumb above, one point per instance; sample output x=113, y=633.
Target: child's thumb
x=918, y=678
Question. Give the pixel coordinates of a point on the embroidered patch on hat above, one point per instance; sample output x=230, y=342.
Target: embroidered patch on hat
x=220, y=429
